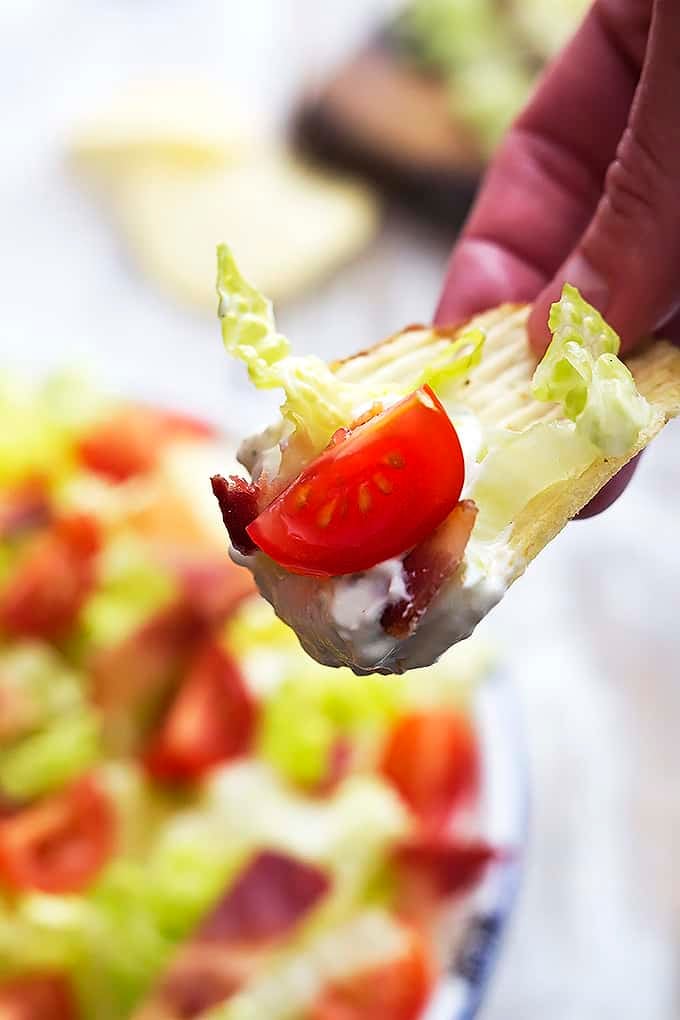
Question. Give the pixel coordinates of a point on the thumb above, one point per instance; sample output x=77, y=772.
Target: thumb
x=627, y=261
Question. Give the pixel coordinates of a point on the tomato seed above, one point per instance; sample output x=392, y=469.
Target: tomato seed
x=365, y=498
x=384, y=484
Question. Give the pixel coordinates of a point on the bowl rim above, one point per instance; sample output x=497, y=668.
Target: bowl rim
x=505, y=804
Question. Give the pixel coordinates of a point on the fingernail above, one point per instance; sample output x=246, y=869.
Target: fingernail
x=581, y=273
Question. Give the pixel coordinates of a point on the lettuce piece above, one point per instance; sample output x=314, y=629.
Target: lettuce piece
x=36, y=686
x=188, y=868
x=316, y=707
x=348, y=831
x=46, y=760
x=581, y=371
x=132, y=586
x=317, y=402
x=40, y=425
x=290, y=986
x=518, y=466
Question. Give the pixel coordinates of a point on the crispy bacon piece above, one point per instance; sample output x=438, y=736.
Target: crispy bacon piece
x=268, y=899
x=428, y=567
x=238, y=501
x=434, y=866
x=393, y=991
x=211, y=719
x=52, y=580
x=24, y=509
x=129, y=442
x=37, y=997
x=201, y=976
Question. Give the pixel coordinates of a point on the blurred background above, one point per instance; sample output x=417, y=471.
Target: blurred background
x=109, y=188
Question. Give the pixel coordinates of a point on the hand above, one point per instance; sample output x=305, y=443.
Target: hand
x=586, y=186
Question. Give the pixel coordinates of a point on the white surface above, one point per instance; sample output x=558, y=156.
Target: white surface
x=592, y=632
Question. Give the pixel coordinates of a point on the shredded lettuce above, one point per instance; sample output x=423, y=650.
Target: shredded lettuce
x=132, y=585
x=36, y=686
x=314, y=708
x=46, y=760
x=317, y=402
x=39, y=426
x=581, y=371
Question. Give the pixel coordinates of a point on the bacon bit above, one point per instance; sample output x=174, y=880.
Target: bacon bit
x=37, y=997
x=268, y=899
x=200, y=977
x=52, y=580
x=428, y=567
x=435, y=866
x=238, y=501
x=24, y=509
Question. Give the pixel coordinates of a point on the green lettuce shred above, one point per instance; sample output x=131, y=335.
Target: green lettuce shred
x=581, y=371
x=317, y=402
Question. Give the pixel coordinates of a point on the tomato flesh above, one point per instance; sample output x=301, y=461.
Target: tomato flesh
x=37, y=997
x=130, y=442
x=394, y=991
x=60, y=843
x=211, y=719
x=52, y=580
x=370, y=496
x=432, y=759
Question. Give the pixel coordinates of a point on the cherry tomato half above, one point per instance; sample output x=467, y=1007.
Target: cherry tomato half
x=129, y=443
x=373, y=494
x=211, y=719
x=60, y=843
x=432, y=759
x=53, y=578
x=37, y=997
x=394, y=991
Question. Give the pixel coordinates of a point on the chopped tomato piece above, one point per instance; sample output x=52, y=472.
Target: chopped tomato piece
x=133, y=679
x=432, y=867
x=37, y=997
x=238, y=500
x=394, y=991
x=52, y=579
x=428, y=567
x=59, y=843
x=129, y=443
x=211, y=719
x=268, y=899
x=371, y=496
x=432, y=759
x=212, y=585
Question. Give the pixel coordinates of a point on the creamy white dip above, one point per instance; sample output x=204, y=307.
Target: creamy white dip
x=337, y=620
